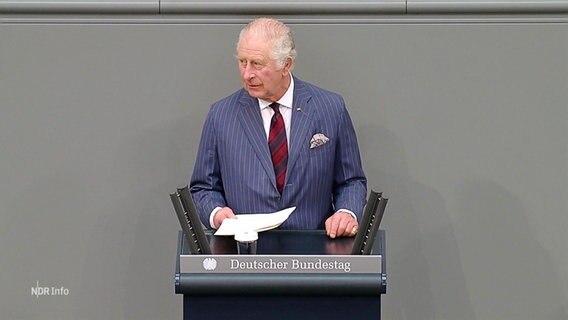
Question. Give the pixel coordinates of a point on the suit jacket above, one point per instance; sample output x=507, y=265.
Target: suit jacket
x=234, y=168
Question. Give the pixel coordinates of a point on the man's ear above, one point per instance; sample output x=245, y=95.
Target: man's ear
x=288, y=66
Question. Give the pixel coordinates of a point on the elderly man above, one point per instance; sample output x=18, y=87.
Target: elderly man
x=279, y=142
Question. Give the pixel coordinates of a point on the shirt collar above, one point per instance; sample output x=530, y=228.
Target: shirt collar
x=285, y=101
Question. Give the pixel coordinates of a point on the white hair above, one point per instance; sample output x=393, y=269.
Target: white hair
x=282, y=38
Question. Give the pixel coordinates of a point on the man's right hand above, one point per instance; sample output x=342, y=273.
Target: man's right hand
x=221, y=215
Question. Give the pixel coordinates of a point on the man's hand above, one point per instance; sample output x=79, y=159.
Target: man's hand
x=221, y=215
x=341, y=224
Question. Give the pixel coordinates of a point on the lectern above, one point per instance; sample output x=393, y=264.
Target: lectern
x=297, y=274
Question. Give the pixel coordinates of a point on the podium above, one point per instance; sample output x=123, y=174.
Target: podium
x=296, y=274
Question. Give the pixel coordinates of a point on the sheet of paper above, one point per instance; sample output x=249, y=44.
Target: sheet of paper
x=255, y=221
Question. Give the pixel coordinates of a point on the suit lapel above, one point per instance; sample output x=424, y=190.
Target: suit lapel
x=301, y=123
x=251, y=121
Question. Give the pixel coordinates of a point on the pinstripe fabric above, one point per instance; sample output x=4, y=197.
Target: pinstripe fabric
x=234, y=167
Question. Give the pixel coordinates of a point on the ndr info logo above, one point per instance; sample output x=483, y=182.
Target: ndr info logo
x=49, y=291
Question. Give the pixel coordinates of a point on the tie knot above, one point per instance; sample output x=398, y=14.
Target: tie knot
x=275, y=106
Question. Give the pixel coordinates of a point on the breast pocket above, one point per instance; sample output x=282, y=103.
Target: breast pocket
x=325, y=150
x=321, y=159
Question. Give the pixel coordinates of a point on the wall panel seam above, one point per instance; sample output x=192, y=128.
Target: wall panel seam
x=292, y=7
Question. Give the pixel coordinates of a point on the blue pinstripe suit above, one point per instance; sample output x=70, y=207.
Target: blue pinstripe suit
x=233, y=166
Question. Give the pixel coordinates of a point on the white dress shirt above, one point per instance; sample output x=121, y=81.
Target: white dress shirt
x=285, y=103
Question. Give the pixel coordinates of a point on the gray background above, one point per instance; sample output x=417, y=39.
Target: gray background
x=462, y=121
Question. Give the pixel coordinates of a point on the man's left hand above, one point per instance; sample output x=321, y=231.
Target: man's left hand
x=341, y=224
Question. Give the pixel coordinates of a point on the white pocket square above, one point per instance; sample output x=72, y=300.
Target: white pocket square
x=319, y=139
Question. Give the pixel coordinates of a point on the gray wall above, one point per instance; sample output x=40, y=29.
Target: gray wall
x=462, y=121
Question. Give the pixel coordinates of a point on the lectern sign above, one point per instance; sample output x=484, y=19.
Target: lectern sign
x=343, y=264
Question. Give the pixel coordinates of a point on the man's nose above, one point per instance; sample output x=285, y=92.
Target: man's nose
x=248, y=72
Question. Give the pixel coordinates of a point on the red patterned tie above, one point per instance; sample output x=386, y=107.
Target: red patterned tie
x=278, y=146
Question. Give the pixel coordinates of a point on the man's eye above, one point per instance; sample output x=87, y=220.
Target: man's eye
x=255, y=64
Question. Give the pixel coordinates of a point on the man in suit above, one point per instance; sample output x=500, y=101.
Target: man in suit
x=279, y=142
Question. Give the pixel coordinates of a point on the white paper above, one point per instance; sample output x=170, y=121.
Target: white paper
x=254, y=222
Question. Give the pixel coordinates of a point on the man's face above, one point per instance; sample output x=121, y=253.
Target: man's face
x=260, y=75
